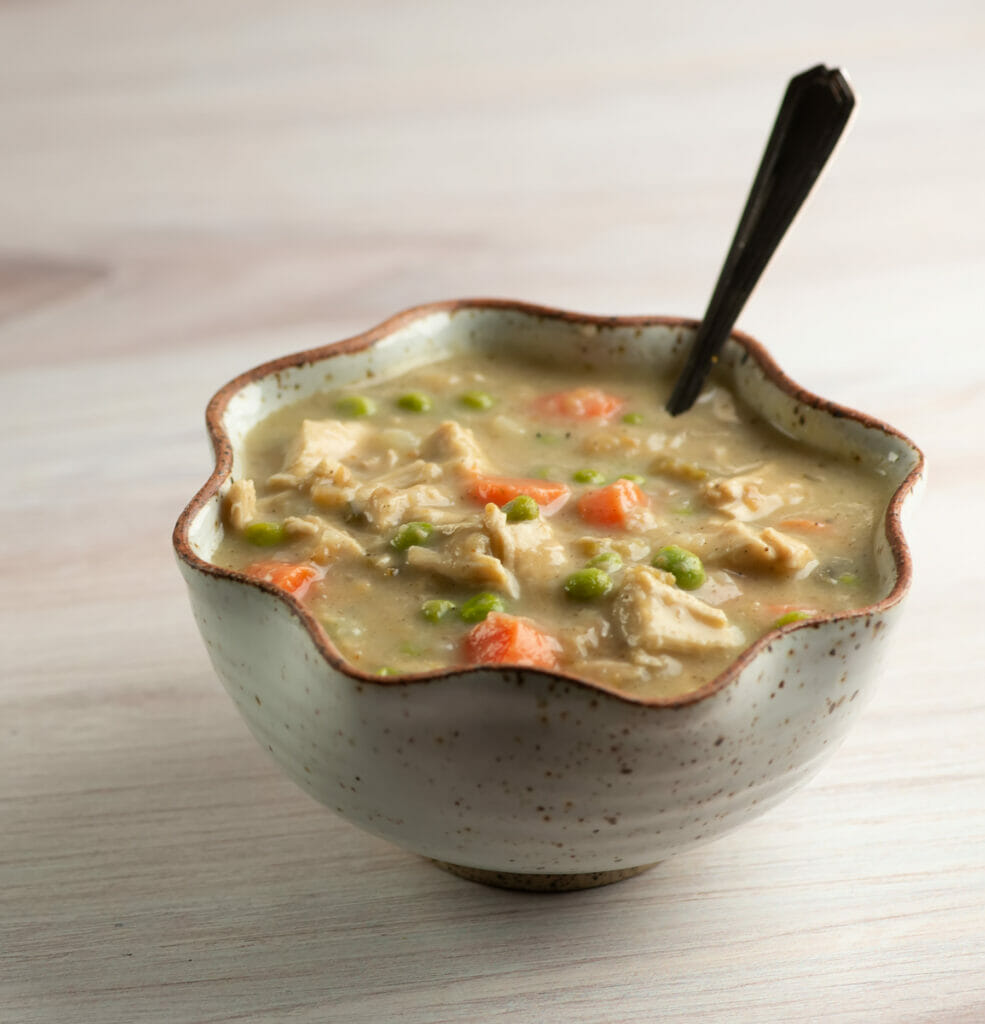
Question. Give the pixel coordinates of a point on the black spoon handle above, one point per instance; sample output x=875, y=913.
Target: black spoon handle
x=812, y=116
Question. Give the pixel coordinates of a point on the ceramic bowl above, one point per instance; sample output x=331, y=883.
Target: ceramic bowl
x=522, y=777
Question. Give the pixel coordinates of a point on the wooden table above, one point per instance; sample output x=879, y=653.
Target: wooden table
x=191, y=188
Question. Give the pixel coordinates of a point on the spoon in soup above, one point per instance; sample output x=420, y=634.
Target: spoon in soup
x=815, y=110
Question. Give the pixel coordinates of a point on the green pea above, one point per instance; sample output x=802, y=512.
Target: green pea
x=588, y=584
x=685, y=566
x=634, y=478
x=588, y=476
x=848, y=579
x=608, y=561
x=355, y=406
x=385, y=671
x=436, y=610
x=798, y=615
x=547, y=473
x=265, y=535
x=521, y=508
x=479, y=400
x=634, y=419
x=415, y=401
x=411, y=534
x=477, y=607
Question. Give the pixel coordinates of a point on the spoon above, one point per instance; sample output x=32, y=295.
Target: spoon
x=815, y=109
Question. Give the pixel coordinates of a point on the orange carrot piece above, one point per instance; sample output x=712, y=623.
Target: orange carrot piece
x=611, y=505
x=585, y=403
x=502, y=639
x=548, y=494
x=805, y=525
x=290, y=576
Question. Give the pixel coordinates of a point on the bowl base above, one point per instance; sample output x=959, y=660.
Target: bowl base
x=542, y=883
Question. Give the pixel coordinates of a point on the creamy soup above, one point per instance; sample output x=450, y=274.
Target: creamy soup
x=485, y=511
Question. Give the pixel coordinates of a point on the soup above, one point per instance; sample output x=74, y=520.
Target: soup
x=485, y=510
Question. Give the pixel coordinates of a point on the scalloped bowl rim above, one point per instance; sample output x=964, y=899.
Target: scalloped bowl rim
x=223, y=450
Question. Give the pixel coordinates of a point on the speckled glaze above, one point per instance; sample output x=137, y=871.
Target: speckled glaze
x=520, y=777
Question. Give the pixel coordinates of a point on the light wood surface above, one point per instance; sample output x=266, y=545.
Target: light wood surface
x=189, y=188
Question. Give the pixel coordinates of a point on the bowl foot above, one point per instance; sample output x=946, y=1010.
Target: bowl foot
x=542, y=883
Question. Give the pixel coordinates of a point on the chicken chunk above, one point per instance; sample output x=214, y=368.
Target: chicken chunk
x=466, y=558
x=453, y=444
x=406, y=492
x=609, y=442
x=303, y=526
x=320, y=444
x=384, y=507
x=331, y=486
x=655, y=617
x=417, y=472
x=240, y=504
x=630, y=549
x=738, y=546
x=334, y=544
x=677, y=468
x=527, y=549
x=329, y=543
x=741, y=498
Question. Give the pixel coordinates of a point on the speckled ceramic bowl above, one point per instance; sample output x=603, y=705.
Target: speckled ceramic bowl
x=522, y=777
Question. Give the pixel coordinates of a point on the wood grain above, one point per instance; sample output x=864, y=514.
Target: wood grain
x=189, y=189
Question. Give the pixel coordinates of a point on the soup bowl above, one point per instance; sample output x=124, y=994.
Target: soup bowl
x=523, y=777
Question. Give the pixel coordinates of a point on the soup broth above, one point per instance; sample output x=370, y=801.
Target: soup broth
x=485, y=510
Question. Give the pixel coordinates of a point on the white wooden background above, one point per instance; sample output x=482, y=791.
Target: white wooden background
x=188, y=188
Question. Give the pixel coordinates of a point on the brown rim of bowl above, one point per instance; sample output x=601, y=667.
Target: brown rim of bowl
x=222, y=447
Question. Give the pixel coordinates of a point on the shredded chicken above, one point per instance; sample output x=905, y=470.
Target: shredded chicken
x=334, y=544
x=319, y=444
x=449, y=520
x=329, y=542
x=677, y=468
x=406, y=492
x=740, y=547
x=455, y=445
x=656, y=617
x=303, y=526
x=631, y=549
x=468, y=559
x=741, y=498
x=527, y=549
x=384, y=507
x=331, y=486
x=241, y=504
x=639, y=520
x=608, y=442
